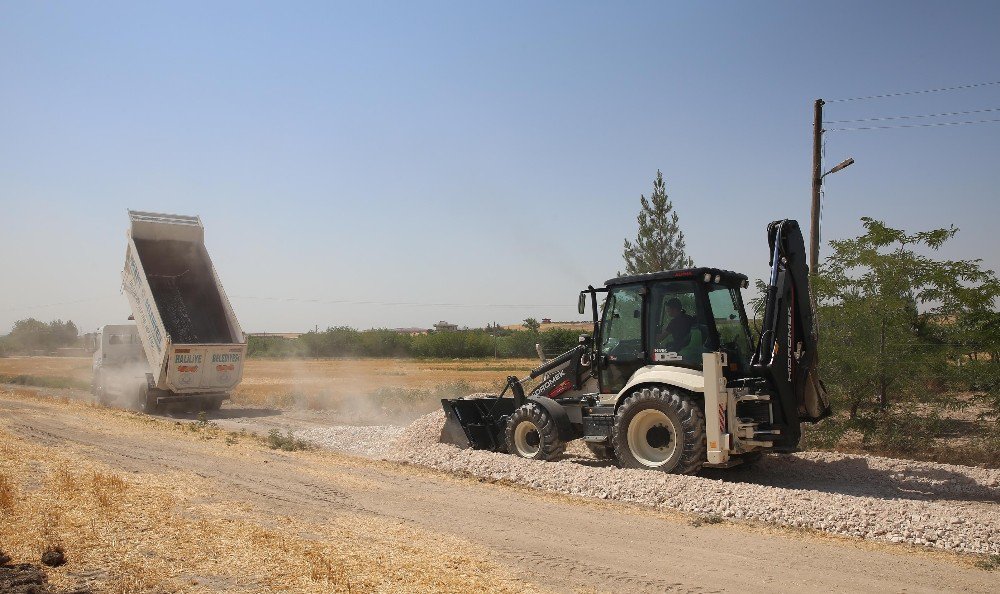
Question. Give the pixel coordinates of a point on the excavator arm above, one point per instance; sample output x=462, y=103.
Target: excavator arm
x=786, y=354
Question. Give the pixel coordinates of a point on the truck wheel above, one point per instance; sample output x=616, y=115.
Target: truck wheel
x=662, y=429
x=211, y=404
x=601, y=451
x=99, y=389
x=146, y=402
x=531, y=433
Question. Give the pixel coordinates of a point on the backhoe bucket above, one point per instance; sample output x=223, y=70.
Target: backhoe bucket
x=477, y=423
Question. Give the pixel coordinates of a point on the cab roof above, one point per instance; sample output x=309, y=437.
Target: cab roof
x=728, y=277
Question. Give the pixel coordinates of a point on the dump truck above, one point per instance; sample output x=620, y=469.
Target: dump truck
x=186, y=347
x=671, y=378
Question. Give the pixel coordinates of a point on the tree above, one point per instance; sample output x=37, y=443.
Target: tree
x=892, y=318
x=659, y=244
x=33, y=335
x=532, y=324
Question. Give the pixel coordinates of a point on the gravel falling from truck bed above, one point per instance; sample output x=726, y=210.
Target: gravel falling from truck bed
x=935, y=505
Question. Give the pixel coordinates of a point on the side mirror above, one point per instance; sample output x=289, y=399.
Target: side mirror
x=581, y=305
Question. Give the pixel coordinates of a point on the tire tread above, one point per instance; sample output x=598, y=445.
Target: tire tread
x=692, y=421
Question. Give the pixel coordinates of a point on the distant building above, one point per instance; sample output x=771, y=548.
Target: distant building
x=546, y=320
x=411, y=331
x=287, y=335
x=71, y=352
x=444, y=326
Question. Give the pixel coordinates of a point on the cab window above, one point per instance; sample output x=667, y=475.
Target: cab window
x=621, y=338
x=677, y=328
x=734, y=334
x=621, y=331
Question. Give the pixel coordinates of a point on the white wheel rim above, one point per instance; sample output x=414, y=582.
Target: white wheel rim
x=652, y=438
x=524, y=434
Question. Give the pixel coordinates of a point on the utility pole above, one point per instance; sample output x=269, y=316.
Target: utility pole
x=817, y=182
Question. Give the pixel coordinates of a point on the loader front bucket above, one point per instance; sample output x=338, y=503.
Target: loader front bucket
x=477, y=423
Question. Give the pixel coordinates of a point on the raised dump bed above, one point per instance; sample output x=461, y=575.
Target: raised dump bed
x=192, y=339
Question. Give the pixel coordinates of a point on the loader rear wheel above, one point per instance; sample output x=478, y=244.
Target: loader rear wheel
x=531, y=433
x=660, y=428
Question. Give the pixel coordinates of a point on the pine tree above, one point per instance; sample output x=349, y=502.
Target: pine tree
x=659, y=245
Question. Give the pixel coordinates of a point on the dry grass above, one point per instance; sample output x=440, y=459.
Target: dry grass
x=177, y=532
x=333, y=383
x=78, y=369
x=357, y=390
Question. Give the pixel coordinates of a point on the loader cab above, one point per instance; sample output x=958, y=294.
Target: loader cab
x=671, y=318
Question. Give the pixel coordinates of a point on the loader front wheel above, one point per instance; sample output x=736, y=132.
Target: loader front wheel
x=662, y=429
x=531, y=433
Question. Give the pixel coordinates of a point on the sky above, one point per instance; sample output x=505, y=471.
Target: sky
x=382, y=164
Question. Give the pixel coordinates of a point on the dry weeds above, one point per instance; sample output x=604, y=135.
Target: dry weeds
x=75, y=368
x=347, y=384
x=176, y=532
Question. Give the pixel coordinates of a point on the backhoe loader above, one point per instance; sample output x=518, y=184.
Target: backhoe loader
x=671, y=378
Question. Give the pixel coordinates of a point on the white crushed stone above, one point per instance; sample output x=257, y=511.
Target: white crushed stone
x=902, y=501
x=373, y=441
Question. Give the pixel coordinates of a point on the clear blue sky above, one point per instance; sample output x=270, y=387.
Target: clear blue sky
x=466, y=152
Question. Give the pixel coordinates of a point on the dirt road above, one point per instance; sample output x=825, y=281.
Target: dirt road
x=559, y=543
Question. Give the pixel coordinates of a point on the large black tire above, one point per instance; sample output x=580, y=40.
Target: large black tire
x=100, y=389
x=601, y=451
x=146, y=400
x=211, y=404
x=531, y=433
x=660, y=428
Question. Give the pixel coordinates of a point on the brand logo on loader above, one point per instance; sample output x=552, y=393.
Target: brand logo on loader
x=790, y=342
x=565, y=385
x=552, y=381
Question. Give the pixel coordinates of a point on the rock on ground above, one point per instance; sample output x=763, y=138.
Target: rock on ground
x=934, y=505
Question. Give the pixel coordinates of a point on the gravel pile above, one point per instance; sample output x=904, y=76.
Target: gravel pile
x=374, y=441
x=934, y=505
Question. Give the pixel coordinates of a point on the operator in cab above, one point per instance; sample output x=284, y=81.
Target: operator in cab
x=676, y=334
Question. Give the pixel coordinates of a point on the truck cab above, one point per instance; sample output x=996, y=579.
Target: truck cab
x=119, y=363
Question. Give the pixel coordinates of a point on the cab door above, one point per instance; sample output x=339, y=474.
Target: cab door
x=621, y=346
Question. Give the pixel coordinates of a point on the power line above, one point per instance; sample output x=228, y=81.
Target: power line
x=396, y=303
x=74, y=302
x=908, y=117
x=932, y=125
x=900, y=94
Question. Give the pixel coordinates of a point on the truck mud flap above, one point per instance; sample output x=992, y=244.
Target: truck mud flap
x=477, y=423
